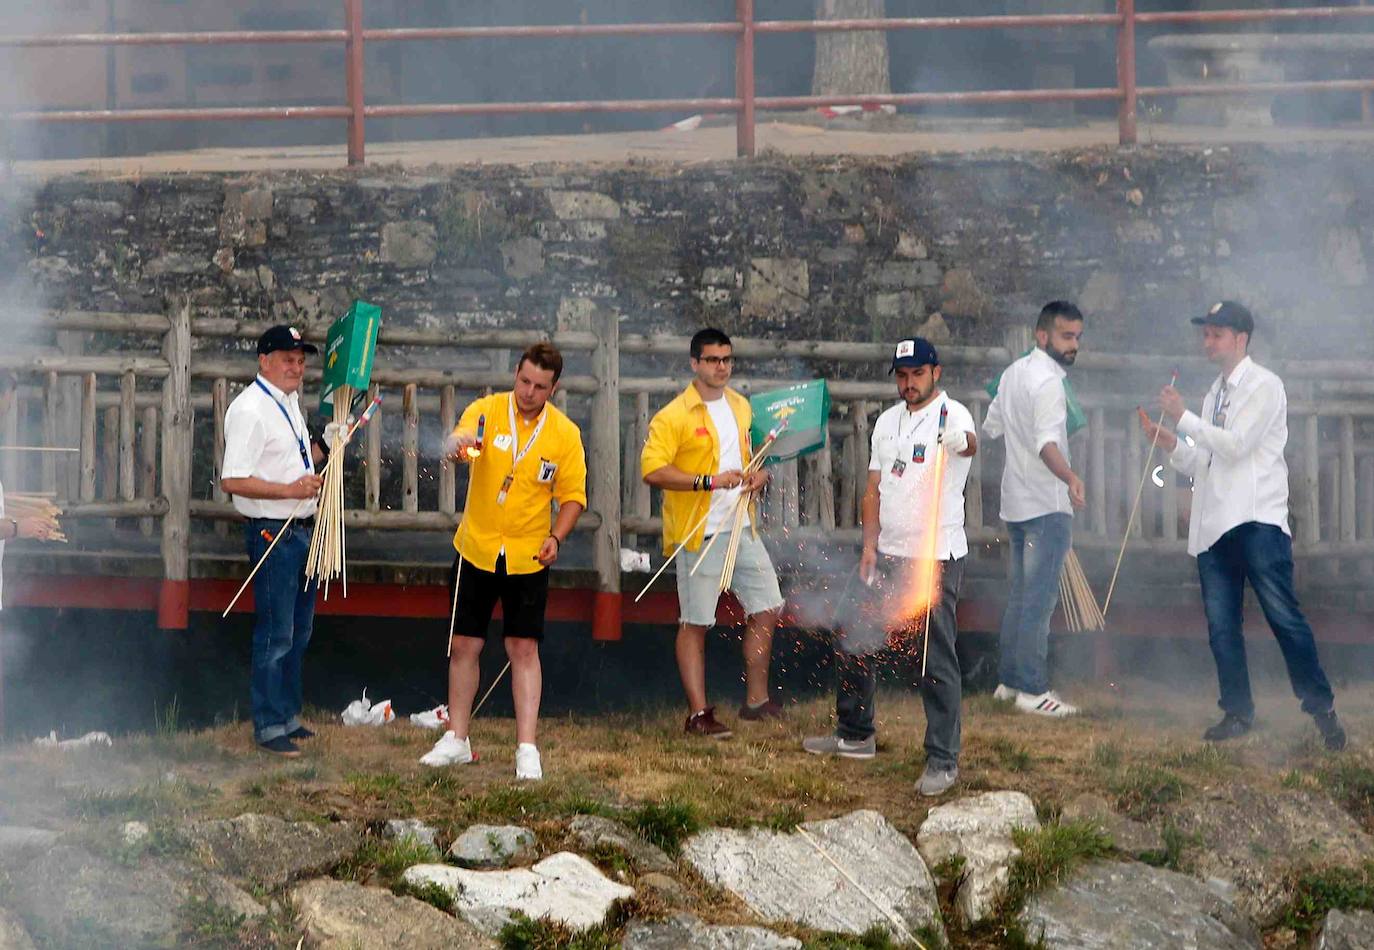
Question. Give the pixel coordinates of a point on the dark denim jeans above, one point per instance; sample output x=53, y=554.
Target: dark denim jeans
x=856, y=677
x=285, y=607
x=1037, y=550
x=1262, y=554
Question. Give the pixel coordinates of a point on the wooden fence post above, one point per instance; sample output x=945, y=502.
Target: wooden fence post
x=173, y=603
x=603, y=474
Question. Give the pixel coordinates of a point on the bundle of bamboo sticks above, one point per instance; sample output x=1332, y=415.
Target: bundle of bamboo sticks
x=42, y=507
x=727, y=574
x=1076, y=597
x=328, y=547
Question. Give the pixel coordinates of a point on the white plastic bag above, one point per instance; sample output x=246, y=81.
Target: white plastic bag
x=435, y=718
x=360, y=712
x=631, y=560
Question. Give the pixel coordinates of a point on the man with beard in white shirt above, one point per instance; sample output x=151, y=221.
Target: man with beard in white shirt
x=1238, y=529
x=899, y=507
x=1039, y=494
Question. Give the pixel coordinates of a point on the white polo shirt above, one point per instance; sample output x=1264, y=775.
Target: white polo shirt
x=264, y=430
x=903, y=453
x=1029, y=412
x=1239, y=473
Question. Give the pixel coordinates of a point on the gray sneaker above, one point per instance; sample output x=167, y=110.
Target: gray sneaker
x=936, y=781
x=844, y=748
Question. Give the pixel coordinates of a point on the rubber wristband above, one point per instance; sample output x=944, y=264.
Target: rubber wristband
x=696, y=483
x=710, y=483
x=556, y=541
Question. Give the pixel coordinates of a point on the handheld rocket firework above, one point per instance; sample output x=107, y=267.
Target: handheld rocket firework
x=472, y=453
x=1135, y=506
x=475, y=451
x=928, y=581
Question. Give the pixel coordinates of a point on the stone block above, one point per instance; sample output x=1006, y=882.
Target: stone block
x=902, y=275
x=911, y=248
x=522, y=258
x=493, y=846
x=775, y=285
x=583, y=205
x=409, y=244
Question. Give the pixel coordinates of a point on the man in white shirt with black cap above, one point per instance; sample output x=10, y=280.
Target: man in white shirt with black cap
x=1238, y=528
x=269, y=469
x=927, y=428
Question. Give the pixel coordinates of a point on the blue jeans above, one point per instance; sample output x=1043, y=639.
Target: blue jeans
x=1263, y=554
x=1037, y=548
x=285, y=607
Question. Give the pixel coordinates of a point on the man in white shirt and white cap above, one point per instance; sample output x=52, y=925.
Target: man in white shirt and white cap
x=900, y=511
x=1238, y=528
x=269, y=468
x=1040, y=491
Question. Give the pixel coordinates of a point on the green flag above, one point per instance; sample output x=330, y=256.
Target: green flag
x=349, y=348
x=1076, y=417
x=804, y=407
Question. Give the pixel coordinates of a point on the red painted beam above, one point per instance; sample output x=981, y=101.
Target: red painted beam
x=430, y=602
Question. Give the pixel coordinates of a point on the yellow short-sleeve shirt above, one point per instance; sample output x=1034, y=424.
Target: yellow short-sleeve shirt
x=554, y=468
x=682, y=434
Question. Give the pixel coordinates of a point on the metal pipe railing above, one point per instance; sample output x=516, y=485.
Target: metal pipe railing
x=745, y=29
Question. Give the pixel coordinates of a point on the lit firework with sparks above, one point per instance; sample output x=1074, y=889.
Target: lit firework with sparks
x=919, y=588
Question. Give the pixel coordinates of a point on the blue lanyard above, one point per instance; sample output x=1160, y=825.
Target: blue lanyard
x=300, y=442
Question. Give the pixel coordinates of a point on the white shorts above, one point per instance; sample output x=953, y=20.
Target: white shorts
x=755, y=583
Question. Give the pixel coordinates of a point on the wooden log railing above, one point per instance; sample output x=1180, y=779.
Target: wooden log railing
x=131, y=413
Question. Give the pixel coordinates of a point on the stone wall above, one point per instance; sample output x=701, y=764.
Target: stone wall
x=957, y=247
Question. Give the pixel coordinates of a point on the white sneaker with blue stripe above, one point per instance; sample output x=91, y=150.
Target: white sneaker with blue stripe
x=1047, y=703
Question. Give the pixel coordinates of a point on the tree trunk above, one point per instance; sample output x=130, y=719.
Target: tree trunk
x=849, y=63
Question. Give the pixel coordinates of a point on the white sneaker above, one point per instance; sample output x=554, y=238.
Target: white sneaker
x=1047, y=703
x=528, y=768
x=1005, y=694
x=449, y=750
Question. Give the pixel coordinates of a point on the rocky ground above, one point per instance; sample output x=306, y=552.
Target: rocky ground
x=1119, y=829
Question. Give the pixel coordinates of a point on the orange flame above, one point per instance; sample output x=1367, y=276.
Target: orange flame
x=919, y=590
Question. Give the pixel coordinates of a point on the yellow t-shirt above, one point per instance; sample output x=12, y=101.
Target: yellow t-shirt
x=555, y=467
x=682, y=434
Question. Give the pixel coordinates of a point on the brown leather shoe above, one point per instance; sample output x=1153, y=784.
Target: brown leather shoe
x=706, y=725
x=769, y=710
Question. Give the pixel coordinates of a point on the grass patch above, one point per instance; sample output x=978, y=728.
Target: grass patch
x=167, y=720
x=387, y=860
x=1107, y=755
x=1351, y=783
x=523, y=933
x=785, y=819
x=1317, y=891
x=876, y=937
x=1011, y=756
x=949, y=870
x=431, y=893
x=386, y=785
x=207, y=924
x=1175, y=843
x=144, y=802
x=1143, y=790
x=666, y=824
x=1048, y=854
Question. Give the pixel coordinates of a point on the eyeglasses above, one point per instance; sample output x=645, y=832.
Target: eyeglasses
x=716, y=360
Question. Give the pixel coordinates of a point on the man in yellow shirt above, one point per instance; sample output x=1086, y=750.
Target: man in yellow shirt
x=697, y=451
x=524, y=454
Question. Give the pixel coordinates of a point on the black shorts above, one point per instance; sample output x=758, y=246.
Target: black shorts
x=523, y=599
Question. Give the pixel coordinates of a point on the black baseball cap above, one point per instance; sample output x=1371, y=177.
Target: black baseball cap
x=1230, y=314
x=284, y=338
x=914, y=351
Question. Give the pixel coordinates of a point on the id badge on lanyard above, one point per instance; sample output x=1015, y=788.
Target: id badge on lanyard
x=515, y=442
x=300, y=442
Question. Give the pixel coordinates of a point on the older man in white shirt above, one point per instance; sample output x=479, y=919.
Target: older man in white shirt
x=269, y=468
x=1239, y=523
x=1039, y=493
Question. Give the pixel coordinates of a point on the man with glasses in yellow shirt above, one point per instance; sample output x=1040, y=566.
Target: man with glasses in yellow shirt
x=524, y=454
x=697, y=451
